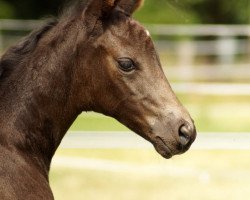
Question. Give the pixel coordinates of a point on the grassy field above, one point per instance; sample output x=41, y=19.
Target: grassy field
x=142, y=174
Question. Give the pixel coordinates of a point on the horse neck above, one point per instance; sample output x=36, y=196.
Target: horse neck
x=39, y=106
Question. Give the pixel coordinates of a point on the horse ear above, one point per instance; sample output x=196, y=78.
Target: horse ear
x=94, y=12
x=129, y=6
x=99, y=8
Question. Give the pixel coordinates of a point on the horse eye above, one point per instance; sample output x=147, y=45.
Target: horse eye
x=126, y=64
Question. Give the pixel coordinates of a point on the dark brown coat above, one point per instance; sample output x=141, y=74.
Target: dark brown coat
x=93, y=58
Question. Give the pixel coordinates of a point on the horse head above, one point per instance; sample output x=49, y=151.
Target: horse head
x=127, y=81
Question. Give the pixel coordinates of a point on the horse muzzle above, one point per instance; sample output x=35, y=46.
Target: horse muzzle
x=172, y=139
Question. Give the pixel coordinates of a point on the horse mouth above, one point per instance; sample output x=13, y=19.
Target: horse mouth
x=162, y=148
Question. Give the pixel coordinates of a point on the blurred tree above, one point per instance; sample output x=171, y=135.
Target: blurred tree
x=154, y=11
x=196, y=11
x=223, y=11
x=31, y=9
x=6, y=10
x=167, y=11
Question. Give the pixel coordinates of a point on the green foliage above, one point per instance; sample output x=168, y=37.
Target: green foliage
x=6, y=10
x=223, y=11
x=154, y=11
x=195, y=11
x=166, y=11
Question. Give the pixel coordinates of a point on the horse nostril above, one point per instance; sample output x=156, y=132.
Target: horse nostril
x=185, y=132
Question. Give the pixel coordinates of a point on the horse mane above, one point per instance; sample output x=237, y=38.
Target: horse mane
x=16, y=54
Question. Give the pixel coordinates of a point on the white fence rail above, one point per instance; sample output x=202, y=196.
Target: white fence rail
x=201, y=30
x=123, y=140
x=159, y=29
x=219, y=89
x=19, y=25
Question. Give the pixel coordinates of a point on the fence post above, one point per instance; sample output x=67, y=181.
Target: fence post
x=248, y=49
x=226, y=50
x=186, y=52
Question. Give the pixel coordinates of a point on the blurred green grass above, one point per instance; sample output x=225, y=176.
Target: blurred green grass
x=211, y=114
x=198, y=174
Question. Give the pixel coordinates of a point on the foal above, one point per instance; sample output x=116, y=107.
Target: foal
x=94, y=58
